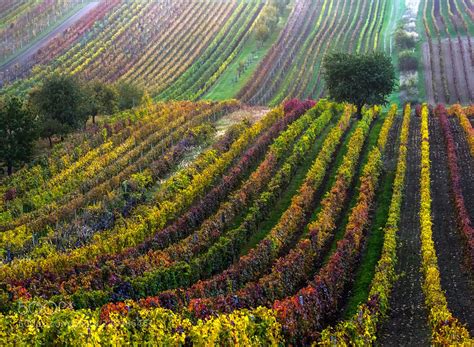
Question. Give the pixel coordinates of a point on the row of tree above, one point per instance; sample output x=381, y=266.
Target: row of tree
x=62, y=104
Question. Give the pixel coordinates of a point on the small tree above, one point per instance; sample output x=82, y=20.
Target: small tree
x=407, y=61
x=129, y=95
x=262, y=33
x=101, y=99
x=404, y=40
x=60, y=101
x=17, y=132
x=359, y=79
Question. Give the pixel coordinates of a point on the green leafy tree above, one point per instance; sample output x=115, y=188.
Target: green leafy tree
x=101, y=99
x=407, y=61
x=403, y=39
x=361, y=79
x=60, y=102
x=17, y=132
x=129, y=95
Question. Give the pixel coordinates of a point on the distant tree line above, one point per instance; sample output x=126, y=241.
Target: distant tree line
x=60, y=105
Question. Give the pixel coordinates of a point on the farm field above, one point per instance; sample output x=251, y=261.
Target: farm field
x=236, y=172
x=448, y=57
x=273, y=217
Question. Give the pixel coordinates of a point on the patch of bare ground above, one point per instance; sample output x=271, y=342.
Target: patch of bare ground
x=253, y=114
x=407, y=321
x=456, y=279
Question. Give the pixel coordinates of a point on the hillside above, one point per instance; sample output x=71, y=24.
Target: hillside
x=176, y=173
x=186, y=50
x=215, y=214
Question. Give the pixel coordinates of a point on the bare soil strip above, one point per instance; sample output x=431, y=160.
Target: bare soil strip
x=407, y=321
x=456, y=279
x=466, y=165
x=438, y=93
x=430, y=93
x=448, y=70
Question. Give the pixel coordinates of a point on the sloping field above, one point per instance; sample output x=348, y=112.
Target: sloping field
x=297, y=210
x=292, y=68
x=448, y=56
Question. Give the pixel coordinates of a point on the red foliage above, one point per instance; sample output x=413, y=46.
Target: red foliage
x=463, y=218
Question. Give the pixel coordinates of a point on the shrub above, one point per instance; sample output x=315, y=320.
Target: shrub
x=407, y=61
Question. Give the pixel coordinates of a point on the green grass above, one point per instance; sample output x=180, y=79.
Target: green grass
x=228, y=85
x=285, y=199
x=370, y=143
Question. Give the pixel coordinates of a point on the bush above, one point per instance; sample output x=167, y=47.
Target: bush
x=407, y=61
x=403, y=40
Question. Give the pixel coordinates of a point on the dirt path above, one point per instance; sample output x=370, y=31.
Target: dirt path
x=456, y=279
x=427, y=74
x=466, y=165
x=450, y=67
x=407, y=321
x=23, y=57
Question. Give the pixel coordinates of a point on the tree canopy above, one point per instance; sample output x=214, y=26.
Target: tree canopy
x=17, y=132
x=60, y=104
x=361, y=79
x=101, y=99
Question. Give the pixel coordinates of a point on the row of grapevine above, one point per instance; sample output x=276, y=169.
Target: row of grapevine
x=446, y=329
x=202, y=209
x=465, y=124
x=121, y=42
x=449, y=51
x=300, y=59
x=58, y=45
x=363, y=327
x=24, y=27
x=463, y=218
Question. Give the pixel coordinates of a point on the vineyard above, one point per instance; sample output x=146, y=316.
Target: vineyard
x=448, y=53
x=205, y=184
x=188, y=50
x=231, y=222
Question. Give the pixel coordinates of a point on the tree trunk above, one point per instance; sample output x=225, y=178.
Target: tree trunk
x=93, y=119
x=50, y=142
x=9, y=168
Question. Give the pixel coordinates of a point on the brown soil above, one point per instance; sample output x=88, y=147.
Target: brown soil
x=456, y=279
x=433, y=72
x=407, y=321
x=466, y=165
x=453, y=70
